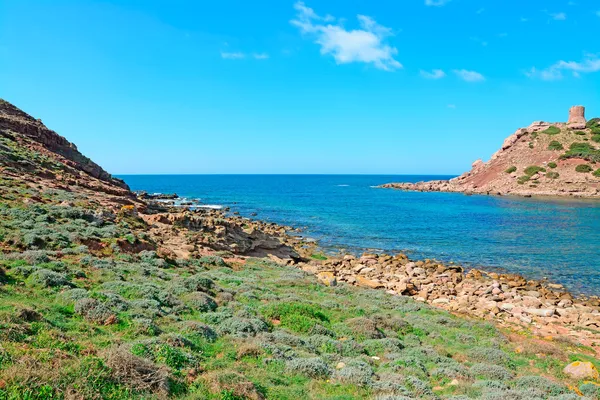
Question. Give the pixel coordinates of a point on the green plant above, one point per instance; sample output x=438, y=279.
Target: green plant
x=552, y=175
x=311, y=367
x=584, y=168
x=582, y=150
x=523, y=179
x=596, y=138
x=533, y=169
x=597, y=173
x=552, y=165
x=555, y=145
x=552, y=130
x=510, y=170
x=318, y=256
x=580, y=133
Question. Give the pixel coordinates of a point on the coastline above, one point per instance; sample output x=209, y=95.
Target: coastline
x=509, y=300
x=449, y=187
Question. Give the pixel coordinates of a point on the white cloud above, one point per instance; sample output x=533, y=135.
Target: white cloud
x=590, y=63
x=434, y=74
x=260, y=56
x=480, y=41
x=436, y=3
x=561, y=16
x=232, y=55
x=469, y=76
x=347, y=46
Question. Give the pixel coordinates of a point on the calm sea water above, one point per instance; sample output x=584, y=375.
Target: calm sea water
x=558, y=239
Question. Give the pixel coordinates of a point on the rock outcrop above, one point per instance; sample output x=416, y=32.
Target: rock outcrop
x=551, y=159
x=13, y=121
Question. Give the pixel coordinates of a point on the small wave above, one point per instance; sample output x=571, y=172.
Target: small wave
x=342, y=185
x=211, y=206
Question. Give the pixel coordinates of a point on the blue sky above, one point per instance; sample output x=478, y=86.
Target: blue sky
x=340, y=86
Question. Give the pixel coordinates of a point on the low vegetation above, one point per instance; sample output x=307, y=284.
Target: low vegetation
x=582, y=150
x=583, y=168
x=81, y=316
x=552, y=130
x=510, y=170
x=552, y=175
x=533, y=169
x=555, y=145
x=552, y=165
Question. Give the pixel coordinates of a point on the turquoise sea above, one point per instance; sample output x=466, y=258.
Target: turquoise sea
x=554, y=238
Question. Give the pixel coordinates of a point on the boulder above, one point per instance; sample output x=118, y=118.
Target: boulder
x=361, y=281
x=581, y=370
x=327, y=278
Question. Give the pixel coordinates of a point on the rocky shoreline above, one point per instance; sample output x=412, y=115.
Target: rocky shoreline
x=450, y=187
x=507, y=299
x=510, y=300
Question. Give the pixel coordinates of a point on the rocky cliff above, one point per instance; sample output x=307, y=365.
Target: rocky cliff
x=38, y=166
x=29, y=149
x=551, y=159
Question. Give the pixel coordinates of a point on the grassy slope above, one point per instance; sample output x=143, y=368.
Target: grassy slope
x=95, y=322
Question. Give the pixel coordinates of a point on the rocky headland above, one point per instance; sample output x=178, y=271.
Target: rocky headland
x=543, y=159
x=105, y=293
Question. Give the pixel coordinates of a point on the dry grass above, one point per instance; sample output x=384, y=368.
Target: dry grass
x=138, y=373
x=232, y=382
x=248, y=349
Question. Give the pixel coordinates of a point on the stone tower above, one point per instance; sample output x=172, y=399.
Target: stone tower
x=576, y=117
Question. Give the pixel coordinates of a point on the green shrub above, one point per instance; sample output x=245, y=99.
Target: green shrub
x=310, y=367
x=592, y=123
x=552, y=165
x=582, y=150
x=488, y=355
x=242, y=327
x=92, y=310
x=584, y=168
x=580, y=133
x=552, y=130
x=552, y=175
x=356, y=372
x=46, y=278
x=198, y=283
x=364, y=328
x=596, y=138
x=555, y=145
x=510, y=170
x=318, y=256
x=201, y=302
x=597, y=173
x=541, y=384
x=523, y=179
x=533, y=169
x=200, y=329
x=491, y=371
x=591, y=390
